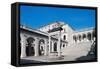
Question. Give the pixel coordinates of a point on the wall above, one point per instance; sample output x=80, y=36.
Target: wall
x=5, y=21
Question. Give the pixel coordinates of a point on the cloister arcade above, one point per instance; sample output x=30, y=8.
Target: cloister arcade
x=84, y=36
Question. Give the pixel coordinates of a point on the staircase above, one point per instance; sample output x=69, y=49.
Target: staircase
x=77, y=49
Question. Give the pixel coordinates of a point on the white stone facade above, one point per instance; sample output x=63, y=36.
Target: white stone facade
x=43, y=43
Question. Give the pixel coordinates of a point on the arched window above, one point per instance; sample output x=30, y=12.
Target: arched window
x=64, y=37
x=30, y=41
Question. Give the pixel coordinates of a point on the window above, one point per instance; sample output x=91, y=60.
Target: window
x=64, y=37
x=63, y=45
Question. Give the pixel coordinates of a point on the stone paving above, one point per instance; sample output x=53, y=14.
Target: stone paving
x=51, y=59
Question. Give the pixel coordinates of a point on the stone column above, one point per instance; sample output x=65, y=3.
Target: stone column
x=59, y=43
x=65, y=45
x=23, y=46
x=49, y=43
x=46, y=50
x=36, y=47
x=77, y=39
x=87, y=37
x=52, y=46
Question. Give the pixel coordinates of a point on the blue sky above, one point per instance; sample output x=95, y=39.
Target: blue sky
x=37, y=16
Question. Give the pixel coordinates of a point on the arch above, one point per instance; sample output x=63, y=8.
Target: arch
x=41, y=47
x=64, y=37
x=55, y=47
x=41, y=41
x=30, y=51
x=84, y=36
x=75, y=38
x=30, y=40
x=89, y=36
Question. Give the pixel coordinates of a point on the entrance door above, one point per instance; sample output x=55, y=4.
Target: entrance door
x=55, y=47
x=29, y=48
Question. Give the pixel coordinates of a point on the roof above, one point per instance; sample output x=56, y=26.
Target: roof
x=35, y=30
x=39, y=32
x=56, y=22
x=85, y=29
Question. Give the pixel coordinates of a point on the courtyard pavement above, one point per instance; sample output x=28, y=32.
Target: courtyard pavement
x=51, y=59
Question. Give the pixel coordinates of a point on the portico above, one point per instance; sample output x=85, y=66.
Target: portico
x=36, y=43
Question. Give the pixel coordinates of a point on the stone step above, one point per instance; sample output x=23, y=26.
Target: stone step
x=80, y=49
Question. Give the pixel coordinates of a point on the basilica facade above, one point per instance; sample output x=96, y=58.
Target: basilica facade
x=54, y=39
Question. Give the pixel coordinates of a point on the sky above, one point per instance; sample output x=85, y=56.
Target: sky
x=37, y=16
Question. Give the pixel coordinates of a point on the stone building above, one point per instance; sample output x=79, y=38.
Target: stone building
x=54, y=39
